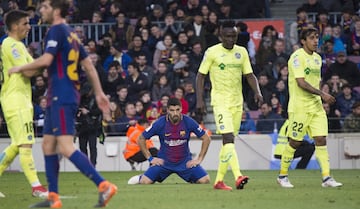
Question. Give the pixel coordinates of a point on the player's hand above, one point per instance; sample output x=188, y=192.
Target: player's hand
x=193, y=163
x=157, y=161
x=259, y=99
x=13, y=70
x=104, y=105
x=200, y=107
x=328, y=98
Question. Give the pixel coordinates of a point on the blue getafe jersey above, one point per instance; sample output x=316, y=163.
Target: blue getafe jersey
x=62, y=42
x=174, y=139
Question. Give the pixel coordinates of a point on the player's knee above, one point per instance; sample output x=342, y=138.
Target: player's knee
x=320, y=140
x=204, y=180
x=294, y=144
x=228, y=138
x=145, y=180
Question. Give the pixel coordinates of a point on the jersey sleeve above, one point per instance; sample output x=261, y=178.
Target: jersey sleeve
x=206, y=62
x=297, y=64
x=53, y=41
x=194, y=127
x=152, y=130
x=247, y=69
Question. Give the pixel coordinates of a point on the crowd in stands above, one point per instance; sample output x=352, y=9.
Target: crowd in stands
x=151, y=51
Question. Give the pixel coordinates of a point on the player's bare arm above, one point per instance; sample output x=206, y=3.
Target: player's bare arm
x=307, y=87
x=42, y=62
x=254, y=84
x=204, y=148
x=142, y=144
x=200, y=79
x=101, y=99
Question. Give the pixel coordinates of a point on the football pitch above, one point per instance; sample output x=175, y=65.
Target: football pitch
x=262, y=192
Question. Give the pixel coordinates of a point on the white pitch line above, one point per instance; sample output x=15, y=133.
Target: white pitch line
x=2, y=195
x=67, y=197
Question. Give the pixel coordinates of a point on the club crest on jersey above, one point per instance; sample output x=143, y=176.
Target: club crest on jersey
x=237, y=55
x=29, y=137
x=296, y=62
x=317, y=62
x=222, y=127
x=294, y=134
x=182, y=133
x=15, y=53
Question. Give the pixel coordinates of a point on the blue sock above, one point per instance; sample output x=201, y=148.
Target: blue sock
x=52, y=172
x=84, y=165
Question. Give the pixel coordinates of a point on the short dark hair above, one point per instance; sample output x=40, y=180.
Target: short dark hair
x=174, y=102
x=13, y=17
x=228, y=24
x=135, y=65
x=63, y=5
x=307, y=32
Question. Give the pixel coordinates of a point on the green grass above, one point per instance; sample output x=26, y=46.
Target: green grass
x=261, y=192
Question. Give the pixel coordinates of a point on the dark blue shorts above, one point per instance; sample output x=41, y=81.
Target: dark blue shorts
x=160, y=173
x=60, y=119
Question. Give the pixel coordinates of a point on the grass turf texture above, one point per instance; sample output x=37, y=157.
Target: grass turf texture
x=261, y=192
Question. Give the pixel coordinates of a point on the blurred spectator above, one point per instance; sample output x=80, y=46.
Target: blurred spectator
x=276, y=105
x=162, y=69
x=161, y=87
x=195, y=57
x=300, y=24
x=282, y=94
x=157, y=14
x=278, y=52
x=73, y=12
x=182, y=42
x=345, y=68
x=39, y=115
x=345, y=101
x=313, y=6
x=135, y=81
x=136, y=48
x=335, y=84
x=352, y=121
x=193, y=7
x=182, y=75
x=198, y=26
x=145, y=98
x=122, y=32
x=272, y=70
x=103, y=47
x=145, y=69
x=171, y=27
x=104, y=8
x=143, y=22
x=140, y=111
x=354, y=48
x=39, y=88
x=132, y=152
x=263, y=52
x=121, y=125
x=328, y=55
x=89, y=117
x=334, y=125
x=213, y=18
x=154, y=38
x=162, y=104
x=283, y=74
x=152, y=113
x=212, y=34
x=346, y=22
x=86, y=9
x=322, y=22
x=99, y=69
x=115, y=8
x=34, y=18
x=179, y=94
x=163, y=48
x=225, y=11
x=247, y=124
x=113, y=80
x=115, y=112
x=79, y=30
x=134, y=8
x=121, y=97
x=268, y=120
x=190, y=97
x=340, y=41
x=116, y=54
x=338, y=45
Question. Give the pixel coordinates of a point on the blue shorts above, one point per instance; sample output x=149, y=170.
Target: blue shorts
x=60, y=119
x=160, y=173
